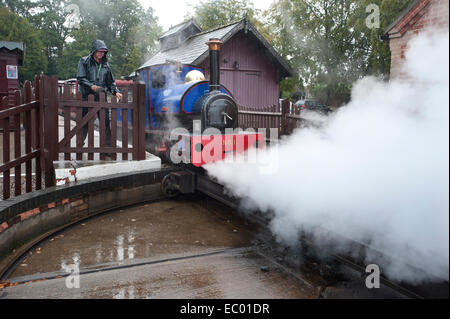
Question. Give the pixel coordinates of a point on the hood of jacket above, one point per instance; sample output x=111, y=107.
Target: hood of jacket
x=97, y=45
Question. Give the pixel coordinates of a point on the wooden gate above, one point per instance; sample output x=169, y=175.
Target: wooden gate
x=26, y=116
x=132, y=115
x=36, y=121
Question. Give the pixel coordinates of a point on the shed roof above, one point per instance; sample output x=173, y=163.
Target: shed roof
x=194, y=50
x=180, y=27
x=18, y=47
x=414, y=3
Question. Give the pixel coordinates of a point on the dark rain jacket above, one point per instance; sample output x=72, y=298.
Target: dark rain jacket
x=90, y=73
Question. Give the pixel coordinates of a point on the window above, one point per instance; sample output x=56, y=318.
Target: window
x=158, y=79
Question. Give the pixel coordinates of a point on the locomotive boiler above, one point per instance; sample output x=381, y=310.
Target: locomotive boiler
x=192, y=120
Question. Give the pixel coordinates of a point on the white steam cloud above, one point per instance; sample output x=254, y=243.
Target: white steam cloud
x=376, y=172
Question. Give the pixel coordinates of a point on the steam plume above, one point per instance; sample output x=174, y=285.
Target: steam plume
x=376, y=172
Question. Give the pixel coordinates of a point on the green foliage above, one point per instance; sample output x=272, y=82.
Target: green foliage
x=16, y=29
x=211, y=14
x=130, y=32
x=79, y=47
x=329, y=44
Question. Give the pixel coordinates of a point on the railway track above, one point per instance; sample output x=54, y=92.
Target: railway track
x=301, y=262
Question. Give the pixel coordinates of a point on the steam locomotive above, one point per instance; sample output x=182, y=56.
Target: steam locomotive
x=191, y=120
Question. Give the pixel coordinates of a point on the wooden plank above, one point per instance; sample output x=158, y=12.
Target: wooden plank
x=134, y=120
x=91, y=136
x=93, y=104
x=141, y=121
x=67, y=111
x=17, y=146
x=102, y=127
x=125, y=132
x=18, y=109
x=97, y=149
x=263, y=113
x=6, y=149
x=113, y=131
x=38, y=130
x=79, y=132
x=50, y=128
x=28, y=95
x=18, y=161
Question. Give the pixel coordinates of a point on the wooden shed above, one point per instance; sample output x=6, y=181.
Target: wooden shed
x=11, y=57
x=250, y=68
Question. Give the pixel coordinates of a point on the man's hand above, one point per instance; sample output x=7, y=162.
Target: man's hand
x=95, y=88
x=119, y=96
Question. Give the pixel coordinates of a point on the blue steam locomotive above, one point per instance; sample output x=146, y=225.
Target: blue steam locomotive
x=178, y=96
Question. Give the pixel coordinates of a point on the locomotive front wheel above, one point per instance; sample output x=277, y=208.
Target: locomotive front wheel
x=168, y=187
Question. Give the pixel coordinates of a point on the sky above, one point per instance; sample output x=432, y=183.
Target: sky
x=172, y=12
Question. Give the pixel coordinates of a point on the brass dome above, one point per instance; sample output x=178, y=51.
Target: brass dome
x=194, y=76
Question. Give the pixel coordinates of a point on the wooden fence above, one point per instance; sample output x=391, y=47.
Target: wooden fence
x=35, y=120
x=26, y=116
x=284, y=117
x=130, y=111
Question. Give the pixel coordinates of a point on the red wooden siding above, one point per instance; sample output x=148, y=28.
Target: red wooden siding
x=255, y=82
x=7, y=86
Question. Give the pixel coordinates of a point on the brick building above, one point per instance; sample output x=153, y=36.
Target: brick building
x=418, y=16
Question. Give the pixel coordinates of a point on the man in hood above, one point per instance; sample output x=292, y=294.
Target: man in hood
x=95, y=77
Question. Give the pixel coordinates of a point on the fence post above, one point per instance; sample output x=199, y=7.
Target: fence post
x=4, y=104
x=284, y=118
x=141, y=121
x=38, y=129
x=135, y=121
x=50, y=124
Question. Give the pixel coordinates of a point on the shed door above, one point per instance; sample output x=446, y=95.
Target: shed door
x=245, y=86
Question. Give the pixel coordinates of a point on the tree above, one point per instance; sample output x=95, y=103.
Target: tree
x=16, y=29
x=130, y=32
x=49, y=17
x=124, y=26
x=329, y=44
x=79, y=47
x=211, y=14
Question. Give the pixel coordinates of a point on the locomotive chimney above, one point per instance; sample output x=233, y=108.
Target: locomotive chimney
x=214, y=76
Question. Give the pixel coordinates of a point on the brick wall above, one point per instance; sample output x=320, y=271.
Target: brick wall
x=427, y=14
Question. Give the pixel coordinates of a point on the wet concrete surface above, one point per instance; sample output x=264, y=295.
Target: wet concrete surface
x=169, y=249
